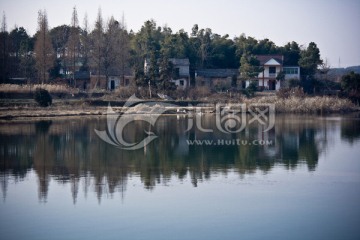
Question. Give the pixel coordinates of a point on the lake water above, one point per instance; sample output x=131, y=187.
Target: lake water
x=59, y=180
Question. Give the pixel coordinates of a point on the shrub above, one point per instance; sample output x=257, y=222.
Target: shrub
x=290, y=92
x=251, y=89
x=179, y=94
x=42, y=97
x=292, y=83
x=125, y=92
x=199, y=92
x=350, y=84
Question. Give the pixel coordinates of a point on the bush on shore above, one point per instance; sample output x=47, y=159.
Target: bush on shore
x=290, y=92
x=42, y=97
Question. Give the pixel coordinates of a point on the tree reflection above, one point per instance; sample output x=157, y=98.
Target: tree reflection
x=350, y=130
x=69, y=152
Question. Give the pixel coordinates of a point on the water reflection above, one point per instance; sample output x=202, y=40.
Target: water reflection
x=69, y=152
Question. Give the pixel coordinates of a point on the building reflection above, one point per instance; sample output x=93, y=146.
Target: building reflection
x=69, y=152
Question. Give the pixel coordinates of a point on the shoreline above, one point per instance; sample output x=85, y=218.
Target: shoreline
x=27, y=108
x=11, y=113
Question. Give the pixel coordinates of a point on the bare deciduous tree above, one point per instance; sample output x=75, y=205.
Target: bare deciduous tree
x=44, y=51
x=124, y=49
x=85, y=44
x=4, y=35
x=97, y=42
x=73, y=44
x=116, y=49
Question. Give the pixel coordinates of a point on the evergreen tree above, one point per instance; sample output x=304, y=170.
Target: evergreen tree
x=249, y=66
x=59, y=38
x=310, y=60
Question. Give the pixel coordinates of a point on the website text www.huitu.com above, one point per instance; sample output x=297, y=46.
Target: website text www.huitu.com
x=229, y=142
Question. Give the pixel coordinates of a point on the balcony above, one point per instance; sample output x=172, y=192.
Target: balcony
x=272, y=75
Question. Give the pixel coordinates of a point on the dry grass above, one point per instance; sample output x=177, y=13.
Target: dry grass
x=52, y=88
x=293, y=104
x=125, y=92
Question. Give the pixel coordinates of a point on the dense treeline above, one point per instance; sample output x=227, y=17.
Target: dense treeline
x=109, y=47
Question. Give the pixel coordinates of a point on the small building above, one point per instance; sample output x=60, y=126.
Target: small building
x=114, y=80
x=181, y=70
x=216, y=79
x=272, y=65
x=82, y=80
x=98, y=81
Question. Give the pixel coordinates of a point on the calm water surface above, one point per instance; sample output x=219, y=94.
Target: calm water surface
x=60, y=181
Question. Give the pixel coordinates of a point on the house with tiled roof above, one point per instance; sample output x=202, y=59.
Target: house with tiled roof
x=181, y=68
x=272, y=66
x=113, y=80
x=216, y=79
x=181, y=71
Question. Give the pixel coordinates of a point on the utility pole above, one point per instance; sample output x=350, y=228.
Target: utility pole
x=149, y=89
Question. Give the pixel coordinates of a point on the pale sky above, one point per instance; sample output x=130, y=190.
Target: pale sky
x=334, y=25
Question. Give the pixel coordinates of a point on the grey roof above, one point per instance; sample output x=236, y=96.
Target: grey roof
x=265, y=58
x=117, y=72
x=82, y=75
x=220, y=73
x=180, y=61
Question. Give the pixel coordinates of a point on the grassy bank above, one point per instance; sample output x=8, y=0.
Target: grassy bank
x=306, y=105
x=27, y=88
x=74, y=103
x=322, y=104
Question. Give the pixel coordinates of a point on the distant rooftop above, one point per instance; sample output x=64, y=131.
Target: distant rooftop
x=180, y=61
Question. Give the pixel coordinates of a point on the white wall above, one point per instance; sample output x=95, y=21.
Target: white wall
x=184, y=70
x=293, y=76
x=116, y=80
x=178, y=85
x=266, y=72
x=266, y=84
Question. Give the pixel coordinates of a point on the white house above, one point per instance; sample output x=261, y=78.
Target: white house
x=272, y=65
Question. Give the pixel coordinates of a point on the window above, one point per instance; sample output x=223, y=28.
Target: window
x=291, y=70
x=176, y=73
x=126, y=81
x=181, y=82
x=272, y=70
